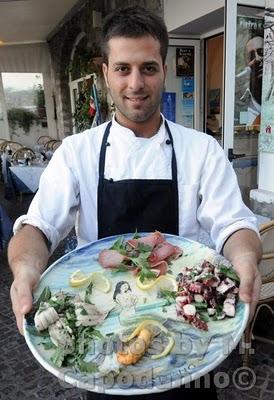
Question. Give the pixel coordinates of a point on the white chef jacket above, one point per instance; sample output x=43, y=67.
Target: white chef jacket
x=209, y=196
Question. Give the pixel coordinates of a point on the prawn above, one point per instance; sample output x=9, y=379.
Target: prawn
x=136, y=349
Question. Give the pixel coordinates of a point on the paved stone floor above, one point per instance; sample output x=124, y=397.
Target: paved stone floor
x=22, y=378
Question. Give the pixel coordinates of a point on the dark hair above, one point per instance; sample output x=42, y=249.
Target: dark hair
x=118, y=288
x=133, y=22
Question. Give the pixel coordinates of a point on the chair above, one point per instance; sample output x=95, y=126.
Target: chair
x=13, y=146
x=43, y=139
x=55, y=145
x=2, y=145
x=20, y=154
x=2, y=141
x=266, y=268
x=49, y=144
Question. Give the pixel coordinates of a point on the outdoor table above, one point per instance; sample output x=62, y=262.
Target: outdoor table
x=26, y=178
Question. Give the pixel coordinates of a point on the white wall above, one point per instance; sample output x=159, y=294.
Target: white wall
x=181, y=12
x=266, y=171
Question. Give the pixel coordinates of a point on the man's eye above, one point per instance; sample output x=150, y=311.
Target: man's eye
x=150, y=69
x=122, y=69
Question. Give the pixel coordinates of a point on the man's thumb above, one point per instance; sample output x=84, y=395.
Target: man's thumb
x=25, y=297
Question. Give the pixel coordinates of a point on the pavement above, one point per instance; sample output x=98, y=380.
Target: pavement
x=22, y=378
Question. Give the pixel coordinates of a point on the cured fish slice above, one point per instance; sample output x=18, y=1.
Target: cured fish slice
x=111, y=258
x=151, y=240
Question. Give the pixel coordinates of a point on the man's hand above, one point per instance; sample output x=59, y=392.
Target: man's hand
x=250, y=285
x=244, y=250
x=21, y=293
x=28, y=256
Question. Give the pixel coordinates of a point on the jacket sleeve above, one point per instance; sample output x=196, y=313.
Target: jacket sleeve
x=221, y=211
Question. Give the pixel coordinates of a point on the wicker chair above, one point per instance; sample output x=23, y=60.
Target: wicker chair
x=13, y=146
x=43, y=139
x=20, y=154
x=49, y=144
x=267, y=291
x=2, y=141
x=55, y=145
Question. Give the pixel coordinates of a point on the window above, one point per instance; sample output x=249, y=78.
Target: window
x=25, y=104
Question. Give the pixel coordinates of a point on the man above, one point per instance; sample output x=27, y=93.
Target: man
x=138, y=171
x=253, y=95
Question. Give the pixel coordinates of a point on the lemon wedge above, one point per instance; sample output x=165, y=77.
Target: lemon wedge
x=145, y=324
x=78, y=278
x=151, y=325
x=167, y=350
x=166, y=282
x=100, y=281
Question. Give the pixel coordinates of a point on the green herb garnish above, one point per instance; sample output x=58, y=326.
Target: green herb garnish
x=229, y=272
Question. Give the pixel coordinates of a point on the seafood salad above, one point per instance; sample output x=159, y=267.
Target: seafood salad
x=207, y=291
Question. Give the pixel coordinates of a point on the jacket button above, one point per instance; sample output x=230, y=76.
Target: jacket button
x=107, y=144
x=168, y=141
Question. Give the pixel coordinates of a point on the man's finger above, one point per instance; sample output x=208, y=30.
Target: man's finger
x=21, y=297
x=246, y=287
x=24, y=295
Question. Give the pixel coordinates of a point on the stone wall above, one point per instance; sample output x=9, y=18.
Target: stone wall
x=61, y=45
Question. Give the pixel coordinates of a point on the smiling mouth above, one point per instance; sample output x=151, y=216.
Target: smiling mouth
x=136, y=99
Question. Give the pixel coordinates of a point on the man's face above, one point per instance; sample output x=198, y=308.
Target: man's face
x=255, y=52
x=135, y=77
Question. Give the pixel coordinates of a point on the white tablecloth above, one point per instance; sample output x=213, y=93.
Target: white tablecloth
x=29, y=175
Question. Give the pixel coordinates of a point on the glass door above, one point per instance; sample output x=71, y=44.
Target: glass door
x=243, y=89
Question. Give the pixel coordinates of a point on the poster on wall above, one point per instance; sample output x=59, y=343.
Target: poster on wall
x=168, y=106
x=185, y=61
x=188, y=101
x=266, y=137
x=249, y=71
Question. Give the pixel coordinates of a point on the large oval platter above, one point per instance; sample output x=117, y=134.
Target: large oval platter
x=195, y=353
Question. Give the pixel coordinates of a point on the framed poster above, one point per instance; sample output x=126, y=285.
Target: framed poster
x=185, y=61
x=249, y=70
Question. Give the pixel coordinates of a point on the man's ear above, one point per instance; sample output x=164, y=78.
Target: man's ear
x=105, y=72
x=165, y=72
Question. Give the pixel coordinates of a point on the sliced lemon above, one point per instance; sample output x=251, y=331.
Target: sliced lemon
x=167, y=350
x=100, y=281
x=78, y=278
x=145, y=324
x=167, y=282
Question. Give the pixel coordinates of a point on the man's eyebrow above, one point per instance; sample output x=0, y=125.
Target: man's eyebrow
x=151, y=63
x=118, y=63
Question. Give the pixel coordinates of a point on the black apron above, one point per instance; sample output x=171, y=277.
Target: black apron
x=144, y=205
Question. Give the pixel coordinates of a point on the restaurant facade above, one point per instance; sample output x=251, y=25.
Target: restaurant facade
x=220, y=80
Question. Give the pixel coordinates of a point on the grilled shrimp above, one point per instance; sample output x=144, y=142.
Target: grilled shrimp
x=136, y=349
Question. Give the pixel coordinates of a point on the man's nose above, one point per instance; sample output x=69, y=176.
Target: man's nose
x=136, y=80
x=257, y=56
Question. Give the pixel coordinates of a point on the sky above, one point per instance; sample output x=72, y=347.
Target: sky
x=21, y=81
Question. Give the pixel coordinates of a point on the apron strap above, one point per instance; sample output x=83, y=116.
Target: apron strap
x=103, y=153
x=173, y=160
